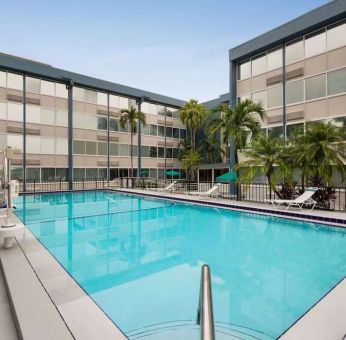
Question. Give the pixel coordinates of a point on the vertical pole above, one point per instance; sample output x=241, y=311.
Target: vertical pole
x=284, y=92
x=139, y=132
x=69, y=87
x=165, y=148
x=108, y=134
x=24, y=133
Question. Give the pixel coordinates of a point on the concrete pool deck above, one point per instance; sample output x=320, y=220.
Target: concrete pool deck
x=62, y=310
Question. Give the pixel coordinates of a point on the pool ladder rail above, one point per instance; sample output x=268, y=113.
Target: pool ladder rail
x=205, y=315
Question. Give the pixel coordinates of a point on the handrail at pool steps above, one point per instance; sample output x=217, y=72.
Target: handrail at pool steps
x=205, y=315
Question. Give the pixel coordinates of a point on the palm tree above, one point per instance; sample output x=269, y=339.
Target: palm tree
x=190, y=162
x=237, y=123
x=268, y=156
x=192, y=115
x=319, y=152
x=211, y=150
x=131, y=116
x=184, y=147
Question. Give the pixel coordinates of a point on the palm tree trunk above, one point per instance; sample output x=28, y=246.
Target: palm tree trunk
x=131, y=155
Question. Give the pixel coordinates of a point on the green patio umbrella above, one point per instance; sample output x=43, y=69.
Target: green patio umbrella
x=230, y=176
x=172, y=173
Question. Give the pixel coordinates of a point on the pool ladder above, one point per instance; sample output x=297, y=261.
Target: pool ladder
x=205, y=315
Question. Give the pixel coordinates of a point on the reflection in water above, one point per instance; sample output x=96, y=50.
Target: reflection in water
x=140, y=259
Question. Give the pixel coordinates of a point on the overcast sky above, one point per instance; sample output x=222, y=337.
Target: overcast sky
x=177, y=48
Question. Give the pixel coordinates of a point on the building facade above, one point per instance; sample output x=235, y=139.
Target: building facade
x=67, y=125
x=297, y=71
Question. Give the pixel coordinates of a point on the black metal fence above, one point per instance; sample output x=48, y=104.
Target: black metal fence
x=255, y=192
x=58, y=184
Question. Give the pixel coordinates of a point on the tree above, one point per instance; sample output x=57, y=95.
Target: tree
x=236, y=123
x=190, y=162
x=131, y=116
x=268, y=155
x=210, y=150
x=192, y=115
x=319, y=152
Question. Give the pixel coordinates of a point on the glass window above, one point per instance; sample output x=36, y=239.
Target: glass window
x=153, y=109
x=78, y=94
x=274, y=59
x=244, y=70
x=145, y=130
x=123, y=103
x=169, y=152
x=15, y=141
x=176, y=153
x=33, y=144
x=102, y=98
x=161, y=110
x=90, y=122
x=153, y=130
x=145, y=151
x=337, y=81
x=79, y=147
x=61, y=90
x=47, y=146
x=91, y=172
x=259, y=65
x=295, y=91
x=47, y=88
x=336, y=36
x=175, y=133
x=102, y=123
x=78, y=173
x=182, y=134
x=113, y=101
x=113, y=124
x=294, y=51
x=47, y=116
x=102, y=148
x=113, y=149
x=61, y=146
x=90, y=148
x=3, y=110
x=61, y=173
x=315, y=43
x=47, y=174
x=123, y=150
x=3, y=76
x=160, y=152
x=90, y=96
x=169, y=132
x=33, y=114
x=32, y=174
x=15, y=112
x=153, y=151
x=275, y=96
x=33, y=85
x=260, y=97
x=15, y=81
x=176, y=114
x=315, y=87
x=61, y=118
x=340, y=122
x=161, y=130
x=276, y=131
x=145, y=107
x=293, y=128
x=102, y=172
x=132, y=103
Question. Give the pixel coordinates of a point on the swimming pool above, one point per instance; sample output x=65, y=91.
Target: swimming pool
x=140, y=258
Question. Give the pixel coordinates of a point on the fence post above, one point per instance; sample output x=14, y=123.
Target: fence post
x=34, y=185
x=60, y=184
x=96, y=182
x=83, y=183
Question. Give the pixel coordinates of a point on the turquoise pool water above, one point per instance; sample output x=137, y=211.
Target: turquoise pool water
x=140, y=258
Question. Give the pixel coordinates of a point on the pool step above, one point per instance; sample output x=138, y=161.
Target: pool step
x=187, y=329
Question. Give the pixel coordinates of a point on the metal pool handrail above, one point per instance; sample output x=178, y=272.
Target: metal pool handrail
x=205, y=316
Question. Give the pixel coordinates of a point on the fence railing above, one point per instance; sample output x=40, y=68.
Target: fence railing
x=58, y=184
x=255, y=192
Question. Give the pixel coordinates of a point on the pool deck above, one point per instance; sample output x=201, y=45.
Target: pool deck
x=337, y=218
x=40, y=300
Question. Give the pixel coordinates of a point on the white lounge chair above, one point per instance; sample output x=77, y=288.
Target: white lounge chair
x=169, y=188
x=300, y=201
x=213, y=192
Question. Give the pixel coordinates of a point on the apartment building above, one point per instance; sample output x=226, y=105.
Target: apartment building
x=66, y=125
x=297, y=71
